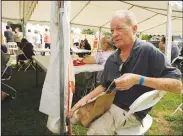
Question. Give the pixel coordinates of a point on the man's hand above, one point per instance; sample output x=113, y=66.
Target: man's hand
x=126, y=81
x=76, y=106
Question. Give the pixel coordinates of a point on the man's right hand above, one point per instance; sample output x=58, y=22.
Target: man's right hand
x=97, y=91
x=80, y=103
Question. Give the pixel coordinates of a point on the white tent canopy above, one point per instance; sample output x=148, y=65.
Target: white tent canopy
x=151, y=15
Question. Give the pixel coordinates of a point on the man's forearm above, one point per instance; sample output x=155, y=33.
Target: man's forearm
x=165, y=84
x=98, y=90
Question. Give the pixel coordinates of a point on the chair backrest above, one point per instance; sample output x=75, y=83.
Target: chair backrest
x=146, y=100
x=11, y=45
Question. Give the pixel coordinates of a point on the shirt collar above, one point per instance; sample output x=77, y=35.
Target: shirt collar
x=132, y=54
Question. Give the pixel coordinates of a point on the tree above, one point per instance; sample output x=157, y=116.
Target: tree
x=88, y=31
x=107, y=34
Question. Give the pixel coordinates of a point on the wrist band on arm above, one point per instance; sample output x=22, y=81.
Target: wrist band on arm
x=141, y=81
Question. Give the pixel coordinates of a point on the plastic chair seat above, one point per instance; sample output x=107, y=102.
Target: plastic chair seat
x=137, y=130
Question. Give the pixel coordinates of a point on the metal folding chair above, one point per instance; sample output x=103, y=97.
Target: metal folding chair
x=178, y=108
x=29, y=61
x=6, y=75
x=179, y=66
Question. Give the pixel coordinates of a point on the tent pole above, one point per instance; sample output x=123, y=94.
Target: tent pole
x=61, y=67
x=168, y=46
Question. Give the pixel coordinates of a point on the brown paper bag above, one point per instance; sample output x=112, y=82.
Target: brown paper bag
x=91, y=111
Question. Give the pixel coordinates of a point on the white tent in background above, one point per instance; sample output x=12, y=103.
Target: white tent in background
x=151, y=15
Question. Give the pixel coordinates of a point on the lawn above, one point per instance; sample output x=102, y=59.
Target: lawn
x=163, y=122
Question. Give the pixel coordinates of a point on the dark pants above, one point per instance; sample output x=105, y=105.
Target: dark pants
x=47, y=45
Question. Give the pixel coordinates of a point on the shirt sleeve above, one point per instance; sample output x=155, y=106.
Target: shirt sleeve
x=159, y=66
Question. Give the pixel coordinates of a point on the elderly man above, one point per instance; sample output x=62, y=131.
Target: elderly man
x=136, y=67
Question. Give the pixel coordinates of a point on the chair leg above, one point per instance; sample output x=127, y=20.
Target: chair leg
x=4, y=72
x=30, y=63
x=178, y=108
x=14, y=97
x=20, y=67
x=27, y=66
x=33, y=66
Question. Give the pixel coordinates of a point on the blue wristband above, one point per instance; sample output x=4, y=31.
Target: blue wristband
x=141, y=80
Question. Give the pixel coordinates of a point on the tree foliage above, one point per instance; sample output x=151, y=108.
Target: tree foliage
x=107, y=34
x=88, y=31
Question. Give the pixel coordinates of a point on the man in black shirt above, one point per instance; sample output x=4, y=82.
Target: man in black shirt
x=136, y=68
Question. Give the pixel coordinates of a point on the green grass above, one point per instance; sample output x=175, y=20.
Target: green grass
x=163, y=122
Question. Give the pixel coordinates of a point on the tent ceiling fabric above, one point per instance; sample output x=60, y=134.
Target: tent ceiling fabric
x=41, y=12
x=10, y=14
x=151, y=15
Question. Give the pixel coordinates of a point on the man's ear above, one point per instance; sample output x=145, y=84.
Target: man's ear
x=135, y=29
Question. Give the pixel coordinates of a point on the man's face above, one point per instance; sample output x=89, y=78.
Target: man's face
x=122, y=33
x=161, y=45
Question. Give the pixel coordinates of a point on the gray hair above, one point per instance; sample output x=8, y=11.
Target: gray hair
x=128, y=15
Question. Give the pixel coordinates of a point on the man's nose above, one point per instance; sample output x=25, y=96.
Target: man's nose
x=115, y=34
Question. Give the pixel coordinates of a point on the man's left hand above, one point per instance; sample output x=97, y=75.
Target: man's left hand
x=126, y=81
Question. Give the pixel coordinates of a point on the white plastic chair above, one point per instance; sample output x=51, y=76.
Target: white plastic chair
x=143, y=102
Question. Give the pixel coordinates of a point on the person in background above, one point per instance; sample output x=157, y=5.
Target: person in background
x=82, y=44
x=27, y=48
x=47, y=38
x=37, y=39
x=8, y=34
x=87, y=45
x=76, y=40
x=41, y=37
x=29, y=36
x=95, y=41
x=102, y=56
x=17, y=35
x=175, y=49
